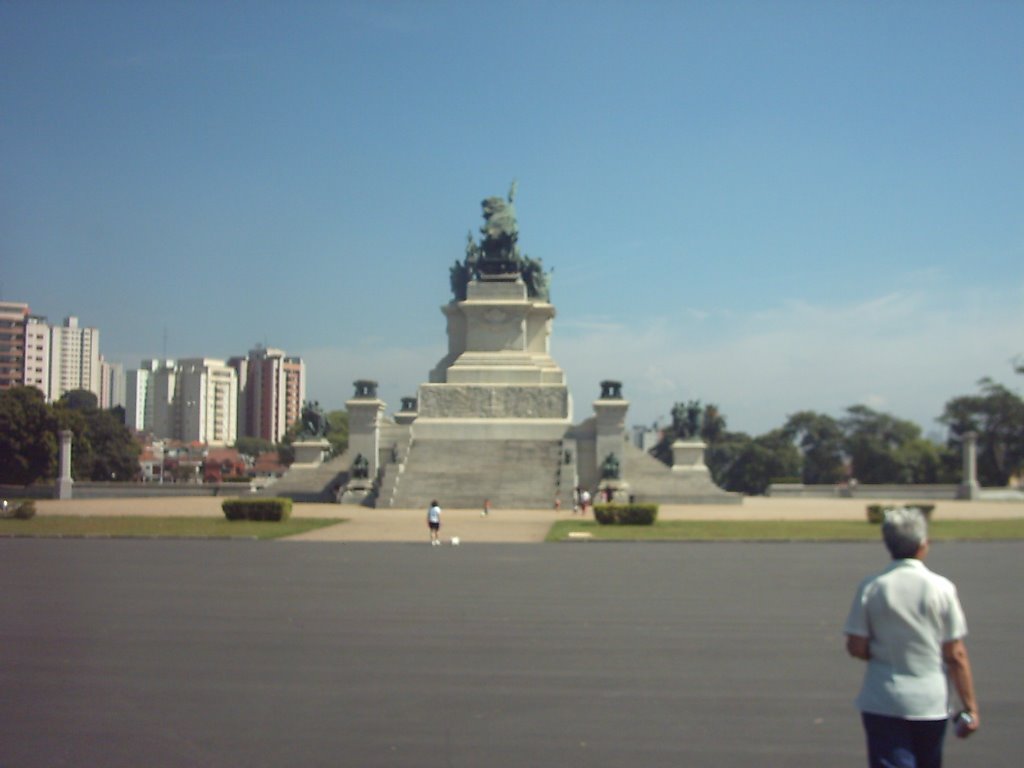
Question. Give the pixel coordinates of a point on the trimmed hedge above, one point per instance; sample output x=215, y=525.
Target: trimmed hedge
x=271, y=510
x=876, y=512
x=626, y=514
x=25, y=510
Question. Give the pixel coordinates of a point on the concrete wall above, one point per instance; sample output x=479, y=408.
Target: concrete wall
x=862, y=491
x=91, y=490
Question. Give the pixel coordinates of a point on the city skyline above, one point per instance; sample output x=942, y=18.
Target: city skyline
x=768, y=206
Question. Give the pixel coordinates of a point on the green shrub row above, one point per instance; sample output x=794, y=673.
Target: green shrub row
x=274, y=510
x=626, y=514
x=876, y=512
x=24, y=510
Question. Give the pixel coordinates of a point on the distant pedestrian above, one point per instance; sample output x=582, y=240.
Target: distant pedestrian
x=575, y=500
x=584, y=502
x=907, y=624
x=434, y=524
x=487, y=508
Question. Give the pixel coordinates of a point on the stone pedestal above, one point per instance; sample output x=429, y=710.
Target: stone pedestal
x=356, y=492
x=969, y=487
x=688, y=457
x=498, y=380
x=310, y=453
x=64, y=481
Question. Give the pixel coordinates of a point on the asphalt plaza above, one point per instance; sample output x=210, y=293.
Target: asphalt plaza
x=217, y=653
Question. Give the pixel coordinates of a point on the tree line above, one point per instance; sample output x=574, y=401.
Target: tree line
x=811, y=447
x=863, y=444
x=102, y=447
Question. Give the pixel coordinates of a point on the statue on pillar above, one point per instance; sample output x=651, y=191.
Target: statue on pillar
x=313, y=424
x=610, y=469
x=687, y=420
x=497, y=256
x=360, y=467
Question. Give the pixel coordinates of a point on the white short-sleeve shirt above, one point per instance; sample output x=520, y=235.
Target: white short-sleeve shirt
x=907, y=612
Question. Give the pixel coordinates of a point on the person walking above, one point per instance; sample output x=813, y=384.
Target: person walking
x=908, y=625
x=487, y=508
x=434, y=523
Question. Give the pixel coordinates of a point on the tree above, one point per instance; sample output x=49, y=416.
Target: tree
x=997, y=417
x=749, y=465
x=28, y=439
x=820, y=440
x=337, y=431
x=879, y=447
x=103, y=448
x=114, y=449
x=80, y=400
x=253, y=446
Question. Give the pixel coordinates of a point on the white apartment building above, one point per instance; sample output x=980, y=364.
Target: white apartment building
x=111, y=384
x=143, y=407
x=74, y=359
x=136, y=392
x=193, y=400
x=207, y=401
x=37, y=354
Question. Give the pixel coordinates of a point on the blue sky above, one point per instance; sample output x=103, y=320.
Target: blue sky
x=769, y=206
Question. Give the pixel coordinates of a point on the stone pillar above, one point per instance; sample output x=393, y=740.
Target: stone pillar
x=408, y=413
x=610, y=410
x=364, y=412
x=969, y=486
x=64, y=481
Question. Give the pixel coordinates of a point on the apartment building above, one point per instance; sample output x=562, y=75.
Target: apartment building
x=272, y=388
x=112, y=383
x=74, y=359
x=37, y=354
x=207, y=401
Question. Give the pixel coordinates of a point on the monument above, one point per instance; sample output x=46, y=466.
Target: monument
x=310, y=445
x=494, y=419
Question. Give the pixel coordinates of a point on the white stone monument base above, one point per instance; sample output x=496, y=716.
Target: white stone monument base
x=64, y=486
x=489, y=429
x=968, y=491
x=356, y=492
x=310, y=453
x=688, y=458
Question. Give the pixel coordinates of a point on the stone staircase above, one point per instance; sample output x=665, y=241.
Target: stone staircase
x=312, y=484
x=652, y=482
x=513, y=474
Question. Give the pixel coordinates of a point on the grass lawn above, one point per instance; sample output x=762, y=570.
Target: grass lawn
x=159, y=527
x=781, y=530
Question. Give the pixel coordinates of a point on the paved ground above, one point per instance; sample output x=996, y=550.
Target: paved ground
x=221, y=653
x=366, y=524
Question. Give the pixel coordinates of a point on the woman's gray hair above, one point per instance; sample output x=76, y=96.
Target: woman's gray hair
x=904, y=531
